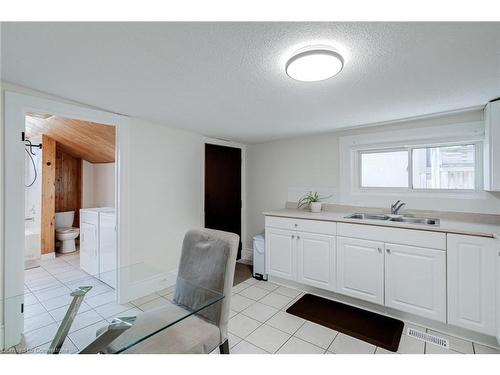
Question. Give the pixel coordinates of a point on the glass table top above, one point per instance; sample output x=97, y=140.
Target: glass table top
x=46, y=289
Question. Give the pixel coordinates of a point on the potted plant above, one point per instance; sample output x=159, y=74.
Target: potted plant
x=312, y=200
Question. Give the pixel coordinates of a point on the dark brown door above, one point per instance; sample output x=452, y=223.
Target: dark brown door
x=223, y=189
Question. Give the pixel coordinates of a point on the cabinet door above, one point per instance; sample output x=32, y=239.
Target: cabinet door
x=281, y=246
x=471, y=282
x=415, y=280
x=316, y=260
x=89, y=260
x=360, y=269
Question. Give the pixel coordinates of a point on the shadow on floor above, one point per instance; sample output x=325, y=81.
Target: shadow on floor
x=243, y=272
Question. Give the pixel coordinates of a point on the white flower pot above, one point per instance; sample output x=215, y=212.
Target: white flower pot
x=315, y=207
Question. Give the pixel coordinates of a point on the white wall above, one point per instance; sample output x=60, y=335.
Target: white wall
x=164, y=200
x=314, y=161
x=165, y=190
x=98, y=185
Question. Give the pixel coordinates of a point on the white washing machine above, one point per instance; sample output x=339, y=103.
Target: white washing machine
x=98, y=243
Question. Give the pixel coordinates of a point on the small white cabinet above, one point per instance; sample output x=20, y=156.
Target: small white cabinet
x=316, y=260
x=360, y=269
x=281, y=257
x=471, y=282
x=89, y=258
x=415, y=280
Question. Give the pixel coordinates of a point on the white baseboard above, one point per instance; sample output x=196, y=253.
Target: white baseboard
x=1, y=338
x=247, y=254
x=133, y=288
x=47, y=256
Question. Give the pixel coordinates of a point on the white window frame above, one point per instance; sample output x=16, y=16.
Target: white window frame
x=478, y=167
x=374, y=151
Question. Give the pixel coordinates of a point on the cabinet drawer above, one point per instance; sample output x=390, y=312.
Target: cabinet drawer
x=312, y=226
x=412, y=237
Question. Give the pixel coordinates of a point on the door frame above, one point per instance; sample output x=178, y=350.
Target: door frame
x=16, y=105
x=220, y=142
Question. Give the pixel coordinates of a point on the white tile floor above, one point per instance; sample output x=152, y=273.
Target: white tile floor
x=259, y=324
x=47, y=290
x=258, y=321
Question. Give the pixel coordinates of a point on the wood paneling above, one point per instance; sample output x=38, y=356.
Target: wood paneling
x=48, y=194
x=87, y=140
x=68, y=185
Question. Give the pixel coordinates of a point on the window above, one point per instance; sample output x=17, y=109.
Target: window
x=450, y=167
x=384, y=169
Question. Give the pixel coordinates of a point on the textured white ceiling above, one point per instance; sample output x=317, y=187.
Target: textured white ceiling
x=227, y=80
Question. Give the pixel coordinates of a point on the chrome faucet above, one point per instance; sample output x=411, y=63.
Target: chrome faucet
x=396, y=207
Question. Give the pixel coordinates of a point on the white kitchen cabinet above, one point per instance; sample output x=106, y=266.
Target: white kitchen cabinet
x=282, y=254
x=415, y=280
x=89, y=258
x=472, y=278
x=360, y=269
x=491, y=147
x=316, y=260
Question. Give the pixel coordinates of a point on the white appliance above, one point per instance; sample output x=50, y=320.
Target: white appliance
x=107, y=247
x=259, y=256
x=98, y=243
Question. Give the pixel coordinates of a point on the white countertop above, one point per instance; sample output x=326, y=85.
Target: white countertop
x=446, y=226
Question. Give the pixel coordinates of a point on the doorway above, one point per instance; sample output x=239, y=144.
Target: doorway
x=70, y=224
x=17, y=295
x=223, y=201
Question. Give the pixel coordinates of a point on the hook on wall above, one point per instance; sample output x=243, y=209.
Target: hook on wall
x=28, y=143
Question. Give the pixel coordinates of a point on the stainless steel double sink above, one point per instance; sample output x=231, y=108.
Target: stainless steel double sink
x=395, y=218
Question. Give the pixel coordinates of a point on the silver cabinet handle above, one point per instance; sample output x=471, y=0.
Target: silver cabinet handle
x=298, y=237
x=293, y=237
x=388, y=251
x=379, y=250
x=296, y=225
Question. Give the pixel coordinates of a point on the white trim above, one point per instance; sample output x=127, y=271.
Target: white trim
x=1, y=338
x=356, y=153
x=461, y=201
x=220, y=142
x=349, y=147
x=247, y=254
x=431, y=116
x=48, y=256
x=16, y=105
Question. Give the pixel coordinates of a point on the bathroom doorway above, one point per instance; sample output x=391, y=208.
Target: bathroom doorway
x=52, y=271
x=70, y=217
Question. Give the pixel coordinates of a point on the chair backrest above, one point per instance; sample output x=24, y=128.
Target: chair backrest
x=208, y=260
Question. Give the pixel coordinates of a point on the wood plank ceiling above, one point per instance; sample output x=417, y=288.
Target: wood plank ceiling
x=87, y=140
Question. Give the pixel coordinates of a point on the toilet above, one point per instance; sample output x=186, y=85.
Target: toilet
x=65, y=232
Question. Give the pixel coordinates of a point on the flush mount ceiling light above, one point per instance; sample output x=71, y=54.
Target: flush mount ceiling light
x=314, y=64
